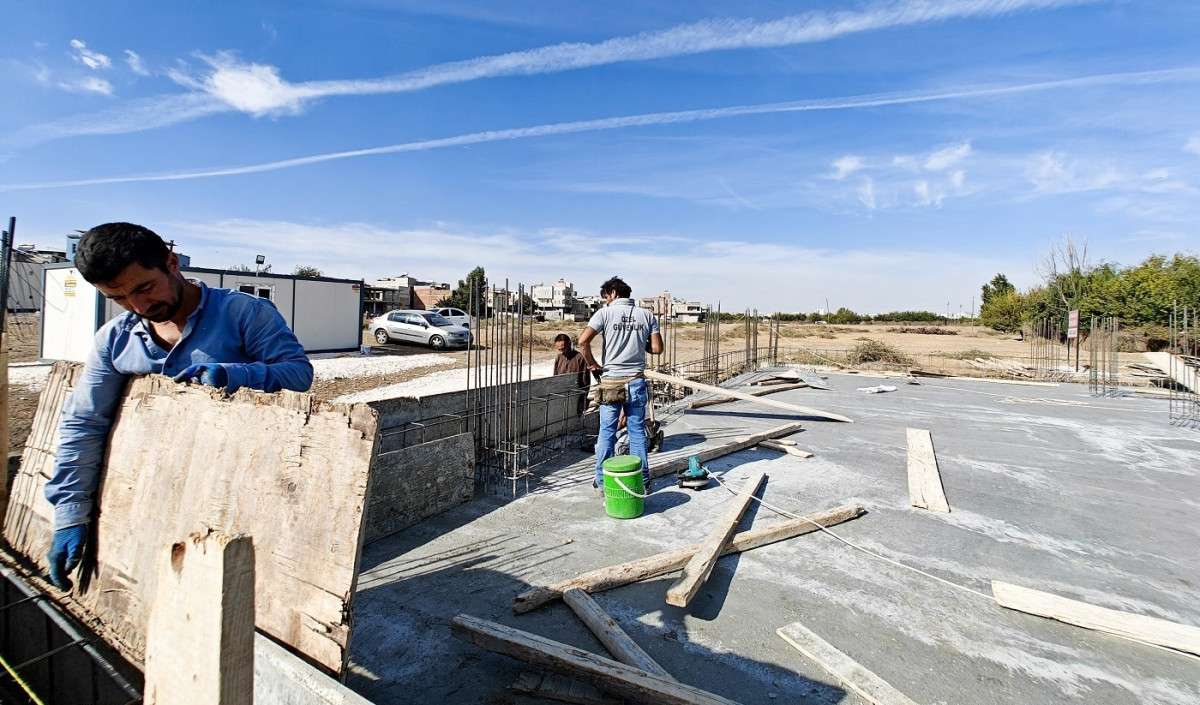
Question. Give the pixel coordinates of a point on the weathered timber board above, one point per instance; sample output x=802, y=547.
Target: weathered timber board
x=290, y=472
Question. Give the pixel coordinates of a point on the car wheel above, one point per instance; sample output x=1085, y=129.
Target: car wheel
x=437, y=342
x=381, y=337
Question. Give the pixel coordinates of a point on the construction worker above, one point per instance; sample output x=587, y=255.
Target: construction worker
x=628, y=333
x=172, y=326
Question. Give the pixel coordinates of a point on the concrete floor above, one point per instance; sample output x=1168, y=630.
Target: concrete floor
x=1094, y=499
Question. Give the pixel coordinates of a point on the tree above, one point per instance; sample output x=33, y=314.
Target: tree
x=471, y=289
x=1003, y=311
x=307, y=271
x=265, y=269
x=998, y=286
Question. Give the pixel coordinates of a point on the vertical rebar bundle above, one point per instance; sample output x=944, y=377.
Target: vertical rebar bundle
x=1047, y=352
x=1104, y=353
x=1184, y=367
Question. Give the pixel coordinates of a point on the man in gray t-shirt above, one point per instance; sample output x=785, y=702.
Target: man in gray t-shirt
x=628, y=334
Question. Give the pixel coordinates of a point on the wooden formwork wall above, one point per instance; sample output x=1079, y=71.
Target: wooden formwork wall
x=292, y=473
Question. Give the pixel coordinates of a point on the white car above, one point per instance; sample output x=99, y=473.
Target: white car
x=423, y=327
x=457, y=316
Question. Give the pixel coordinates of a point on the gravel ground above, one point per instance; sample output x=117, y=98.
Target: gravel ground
x=433, y=383
x=352, y=366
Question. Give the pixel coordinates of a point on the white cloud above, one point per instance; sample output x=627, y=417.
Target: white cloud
x=846, y=165
x=88, y=84
x=135, y=62
x=792, y=277
x=945, y=158
x=1193, y=145
x=958, y=179
x=866, y=193
x=179, y=108
x=259, y=89
x=87, y=57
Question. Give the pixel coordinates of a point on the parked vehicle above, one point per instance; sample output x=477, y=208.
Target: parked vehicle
x=422, y=327
x=457, y=316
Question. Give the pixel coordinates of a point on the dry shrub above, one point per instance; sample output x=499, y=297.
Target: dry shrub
x=970, y=354
x=923, y=330
x=875, y=351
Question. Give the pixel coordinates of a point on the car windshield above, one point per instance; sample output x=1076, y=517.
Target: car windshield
x=437, y=319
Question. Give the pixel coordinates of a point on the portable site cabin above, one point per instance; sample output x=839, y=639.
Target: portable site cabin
x=326, y=314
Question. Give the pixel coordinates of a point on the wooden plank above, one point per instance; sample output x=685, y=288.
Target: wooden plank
x=200, y=637
x=661, y=563
x=606, y=629
x=701, y=564
x=283, y=468
x=851, y=674
x=924, y=480
x=700, y=386
x=606, y=674
x=1151, y=630
x=785, y=448
x=662, y=466
x=552, y=686
x=700, y=404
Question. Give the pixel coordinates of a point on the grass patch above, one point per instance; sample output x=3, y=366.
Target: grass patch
x=923, y=330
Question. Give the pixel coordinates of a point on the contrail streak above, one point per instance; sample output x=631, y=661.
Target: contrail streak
x=233, y=86
x=664, y=118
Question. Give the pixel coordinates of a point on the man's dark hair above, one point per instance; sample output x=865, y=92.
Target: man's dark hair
x=106, y=250
x=618, y=285
x=563, y=337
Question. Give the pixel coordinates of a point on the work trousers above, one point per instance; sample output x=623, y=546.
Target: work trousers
x=635, y=425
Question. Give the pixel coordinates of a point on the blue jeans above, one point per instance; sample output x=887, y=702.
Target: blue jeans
x=635, y=425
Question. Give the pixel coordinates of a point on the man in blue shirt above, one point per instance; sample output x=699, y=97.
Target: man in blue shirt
x=172, y=326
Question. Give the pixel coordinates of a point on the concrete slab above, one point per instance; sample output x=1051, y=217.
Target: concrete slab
x=1093, y=499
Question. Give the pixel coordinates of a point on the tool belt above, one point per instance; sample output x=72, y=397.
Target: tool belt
x=614, y=390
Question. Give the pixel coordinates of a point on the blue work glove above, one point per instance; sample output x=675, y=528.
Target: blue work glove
x=66, y=550
x=209, y=373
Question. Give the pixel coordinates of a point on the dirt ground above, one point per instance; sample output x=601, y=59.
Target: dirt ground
x=987, y=342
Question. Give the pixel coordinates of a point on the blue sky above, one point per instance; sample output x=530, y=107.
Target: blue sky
x=881, y=155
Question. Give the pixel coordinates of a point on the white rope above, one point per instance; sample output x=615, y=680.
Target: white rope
x=855, y=546
x=624, y=487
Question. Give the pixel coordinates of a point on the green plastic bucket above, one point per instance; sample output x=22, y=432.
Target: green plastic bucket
x=618, y=503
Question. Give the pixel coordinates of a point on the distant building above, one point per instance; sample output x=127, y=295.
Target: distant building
x=387, y=294
x=427, y=296
x=24, y=284
x=557, y=301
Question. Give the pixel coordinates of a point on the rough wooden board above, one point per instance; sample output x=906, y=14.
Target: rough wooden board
x=606, y=629
x=701, y=564
x=4, y=431
x=279, y=467
x=552, y=686
x=606, y=674
x=794, y=408
x=790, y=449
x=1152, y=630
x=924, y=480
x=865, y=684
x=200, y=636
x=414, y=483
x=615, y=576
x=671, y=465
x=754, y=393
